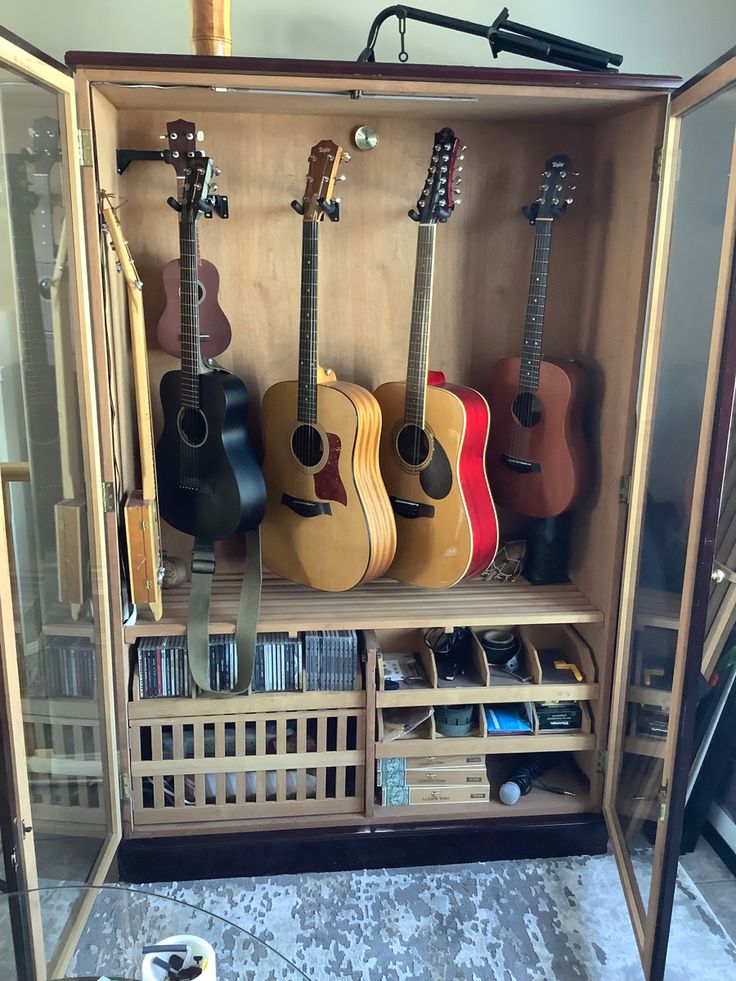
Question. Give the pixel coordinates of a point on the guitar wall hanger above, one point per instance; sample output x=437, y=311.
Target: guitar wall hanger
x=215, y=204
x=502, y=35
x=330, y=208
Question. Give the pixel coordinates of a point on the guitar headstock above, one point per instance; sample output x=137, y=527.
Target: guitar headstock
x=196, y=196
x=324, y=160
x=182, y=137
x=556, y=191
x=439, y=194
x=45, y=150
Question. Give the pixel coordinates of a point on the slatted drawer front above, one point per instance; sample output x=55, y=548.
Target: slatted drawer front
x=214, y=768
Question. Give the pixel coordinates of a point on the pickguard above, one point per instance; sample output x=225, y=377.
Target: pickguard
x=436, y=478
x=328, y=484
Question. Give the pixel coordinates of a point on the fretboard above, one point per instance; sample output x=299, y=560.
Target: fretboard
x=307, y=391
x=191, y=360
x=418, y=361
x=531, y=353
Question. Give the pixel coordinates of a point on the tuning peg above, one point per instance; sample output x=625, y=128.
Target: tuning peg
x=569, y=200
x=461, y=157
x=576, y=173
x=563, y=173
x=547, y=173
x=341, y=177
x=463, y=149
x=213, y=187
x=435, y=158
x=458, y=170
x=216, y=171
x=448, y=146
x=445, y=157
x=443, y=202
x=347, y=157
x=437, y=147
x=558, y=187
x=458, y=201
x=458, y=180
x=573, y=187
x=200, y=135
x=163, y=136
x=555, y=200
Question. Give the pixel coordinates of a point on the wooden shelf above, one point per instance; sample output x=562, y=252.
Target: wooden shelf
x=529, y=806
x=657, y=608
x=216, y=706
x=645, y=746
x=488, y=745
x=641, y=695
x=488, y=694
x=383, y=603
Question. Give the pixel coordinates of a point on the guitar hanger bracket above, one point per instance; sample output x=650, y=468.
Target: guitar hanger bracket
x=125, y=157
x=330, y=208
x=220, y=207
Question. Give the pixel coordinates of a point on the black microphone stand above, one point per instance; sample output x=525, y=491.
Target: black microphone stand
x=502, y=35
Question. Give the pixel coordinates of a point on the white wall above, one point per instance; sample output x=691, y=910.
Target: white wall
x=658, y=36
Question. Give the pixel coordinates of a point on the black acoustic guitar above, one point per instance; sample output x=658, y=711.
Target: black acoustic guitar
x=210, y=485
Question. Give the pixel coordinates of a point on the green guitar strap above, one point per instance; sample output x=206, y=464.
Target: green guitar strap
x=198, y=633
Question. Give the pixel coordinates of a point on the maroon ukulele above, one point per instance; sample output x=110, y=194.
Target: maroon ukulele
x=538, y=463
x=215, y=328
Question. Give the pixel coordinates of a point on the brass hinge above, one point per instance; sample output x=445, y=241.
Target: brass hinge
x=663, y=795
x=125, y=788
x=108, y=497
x=624, y=489
x=602, y=761
x=86, y=153
x=657, y=165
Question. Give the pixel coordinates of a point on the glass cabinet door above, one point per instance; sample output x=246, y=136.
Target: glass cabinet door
x=678, y=394
x=56, y=678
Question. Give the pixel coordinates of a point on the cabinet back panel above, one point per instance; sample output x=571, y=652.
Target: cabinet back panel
x=597, y=277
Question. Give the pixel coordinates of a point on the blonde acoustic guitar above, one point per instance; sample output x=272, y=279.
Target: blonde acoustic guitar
x=142, y=530
x=328, y=519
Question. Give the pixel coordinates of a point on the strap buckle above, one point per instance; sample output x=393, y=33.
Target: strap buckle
x=203, y=558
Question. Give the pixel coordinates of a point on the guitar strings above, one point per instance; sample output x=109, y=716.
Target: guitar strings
x=418, y=361
x=531, y=356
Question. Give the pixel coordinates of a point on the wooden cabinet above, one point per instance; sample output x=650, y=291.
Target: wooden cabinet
x=302, y=760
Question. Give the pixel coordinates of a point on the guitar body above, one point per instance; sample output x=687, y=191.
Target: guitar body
x=550, y=467
x=214, y=490
x=328, y=521
x=216, y=332
x=448, y=529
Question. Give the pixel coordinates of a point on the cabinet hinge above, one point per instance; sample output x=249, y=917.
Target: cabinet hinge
x=657, y=165
x=602, y=761
x=108, y=496
x=86, y=153
x=663, y=795
x=624, y=489
x=125, y=788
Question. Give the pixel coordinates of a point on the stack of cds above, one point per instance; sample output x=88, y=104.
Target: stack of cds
x=67, y=668
x=278, y=664
x=163, y=667
x=331, y=660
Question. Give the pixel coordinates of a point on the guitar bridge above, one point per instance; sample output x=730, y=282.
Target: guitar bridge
x=411, y=509
x=305, y=509
x=519, y=465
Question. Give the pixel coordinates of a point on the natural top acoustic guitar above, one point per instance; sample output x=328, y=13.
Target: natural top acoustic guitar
x=328, y=521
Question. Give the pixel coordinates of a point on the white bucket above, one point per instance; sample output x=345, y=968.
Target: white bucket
x=198, y=947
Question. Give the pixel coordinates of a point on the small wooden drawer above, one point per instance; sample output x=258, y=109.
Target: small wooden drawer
x=239, y=765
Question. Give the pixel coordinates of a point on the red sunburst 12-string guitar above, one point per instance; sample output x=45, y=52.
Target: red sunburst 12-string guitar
x=434, y=434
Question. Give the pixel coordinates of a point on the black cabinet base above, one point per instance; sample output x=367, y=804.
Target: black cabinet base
x=343, y=849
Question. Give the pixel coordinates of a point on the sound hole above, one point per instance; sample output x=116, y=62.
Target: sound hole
x=527, y=409
x=412, y=445
x=307, y=445
x=201, y=292
x=192, y=425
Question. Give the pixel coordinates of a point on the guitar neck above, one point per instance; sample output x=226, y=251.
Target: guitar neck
x=421, y=313
x=191, y=358
x=307, y=387
x=531, y=354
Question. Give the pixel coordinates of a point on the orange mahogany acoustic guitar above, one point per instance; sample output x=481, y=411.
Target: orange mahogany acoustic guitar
x=538, y=463
x=329, y=522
